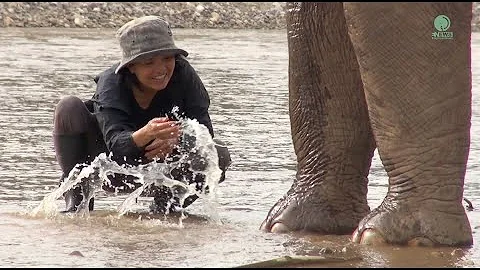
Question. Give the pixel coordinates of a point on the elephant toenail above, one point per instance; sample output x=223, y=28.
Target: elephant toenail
x=280, y=228
x=371, y=237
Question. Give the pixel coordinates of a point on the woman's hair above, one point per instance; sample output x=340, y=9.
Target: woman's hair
x=130, y=79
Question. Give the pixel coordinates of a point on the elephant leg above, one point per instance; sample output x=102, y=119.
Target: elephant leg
x=418, y=92
x=330, y=128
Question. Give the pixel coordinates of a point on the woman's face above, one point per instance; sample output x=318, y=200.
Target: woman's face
x=154, y=72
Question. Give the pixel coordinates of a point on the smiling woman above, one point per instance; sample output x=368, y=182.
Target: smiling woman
x=131, y=114
x=153, y=74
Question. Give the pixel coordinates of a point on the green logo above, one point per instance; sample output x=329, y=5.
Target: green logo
x=442, y=24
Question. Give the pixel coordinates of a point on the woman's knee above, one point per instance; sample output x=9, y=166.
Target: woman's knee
x=67, y=103
x=71, y=116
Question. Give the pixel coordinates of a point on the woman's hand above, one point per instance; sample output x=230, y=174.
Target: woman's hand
x=163, y=135
x=161, y=128
x=160, y=148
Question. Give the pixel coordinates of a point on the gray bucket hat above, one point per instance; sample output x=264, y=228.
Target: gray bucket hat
x=145, y=35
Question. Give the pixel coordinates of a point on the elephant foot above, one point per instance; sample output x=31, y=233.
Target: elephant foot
x=414, y=227
x=312, y=214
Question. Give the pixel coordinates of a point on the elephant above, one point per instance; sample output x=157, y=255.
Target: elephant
x=395, y=77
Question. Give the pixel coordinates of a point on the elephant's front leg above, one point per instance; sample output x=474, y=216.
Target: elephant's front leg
x=331, y=132
x=418, y=91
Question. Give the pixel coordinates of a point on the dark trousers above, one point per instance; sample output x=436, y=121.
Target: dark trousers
x=78, y=139
x=73, y=121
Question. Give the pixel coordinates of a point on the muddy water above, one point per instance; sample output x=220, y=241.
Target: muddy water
x=245, y=73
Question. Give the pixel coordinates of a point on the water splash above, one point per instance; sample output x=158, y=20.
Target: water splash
x=197, y=143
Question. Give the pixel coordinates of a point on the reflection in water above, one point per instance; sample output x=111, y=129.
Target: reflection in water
x=245, y=73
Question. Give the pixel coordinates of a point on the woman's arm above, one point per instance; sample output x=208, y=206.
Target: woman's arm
x=117, y=133
x=197, y=100
x=112, y=112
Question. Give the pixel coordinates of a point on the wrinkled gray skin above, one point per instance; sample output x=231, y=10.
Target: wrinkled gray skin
x=363, y=76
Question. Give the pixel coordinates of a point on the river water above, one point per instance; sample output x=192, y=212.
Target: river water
x=245, y=72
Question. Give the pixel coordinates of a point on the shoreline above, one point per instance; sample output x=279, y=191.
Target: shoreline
x=195, y=15
x=215, y=15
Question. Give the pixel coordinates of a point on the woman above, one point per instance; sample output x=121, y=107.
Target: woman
x=130, y=112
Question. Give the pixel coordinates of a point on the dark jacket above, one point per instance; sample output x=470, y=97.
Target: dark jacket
x=119, y=115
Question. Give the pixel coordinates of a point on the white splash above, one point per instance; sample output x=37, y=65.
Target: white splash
x=153, y=173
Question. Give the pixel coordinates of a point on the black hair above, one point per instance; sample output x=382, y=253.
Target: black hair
x=130, y=79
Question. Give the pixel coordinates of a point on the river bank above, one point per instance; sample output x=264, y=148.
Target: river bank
x=228, y=15
x=232, y=15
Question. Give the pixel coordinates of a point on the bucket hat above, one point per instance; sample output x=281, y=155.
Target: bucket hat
x=144, y=36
